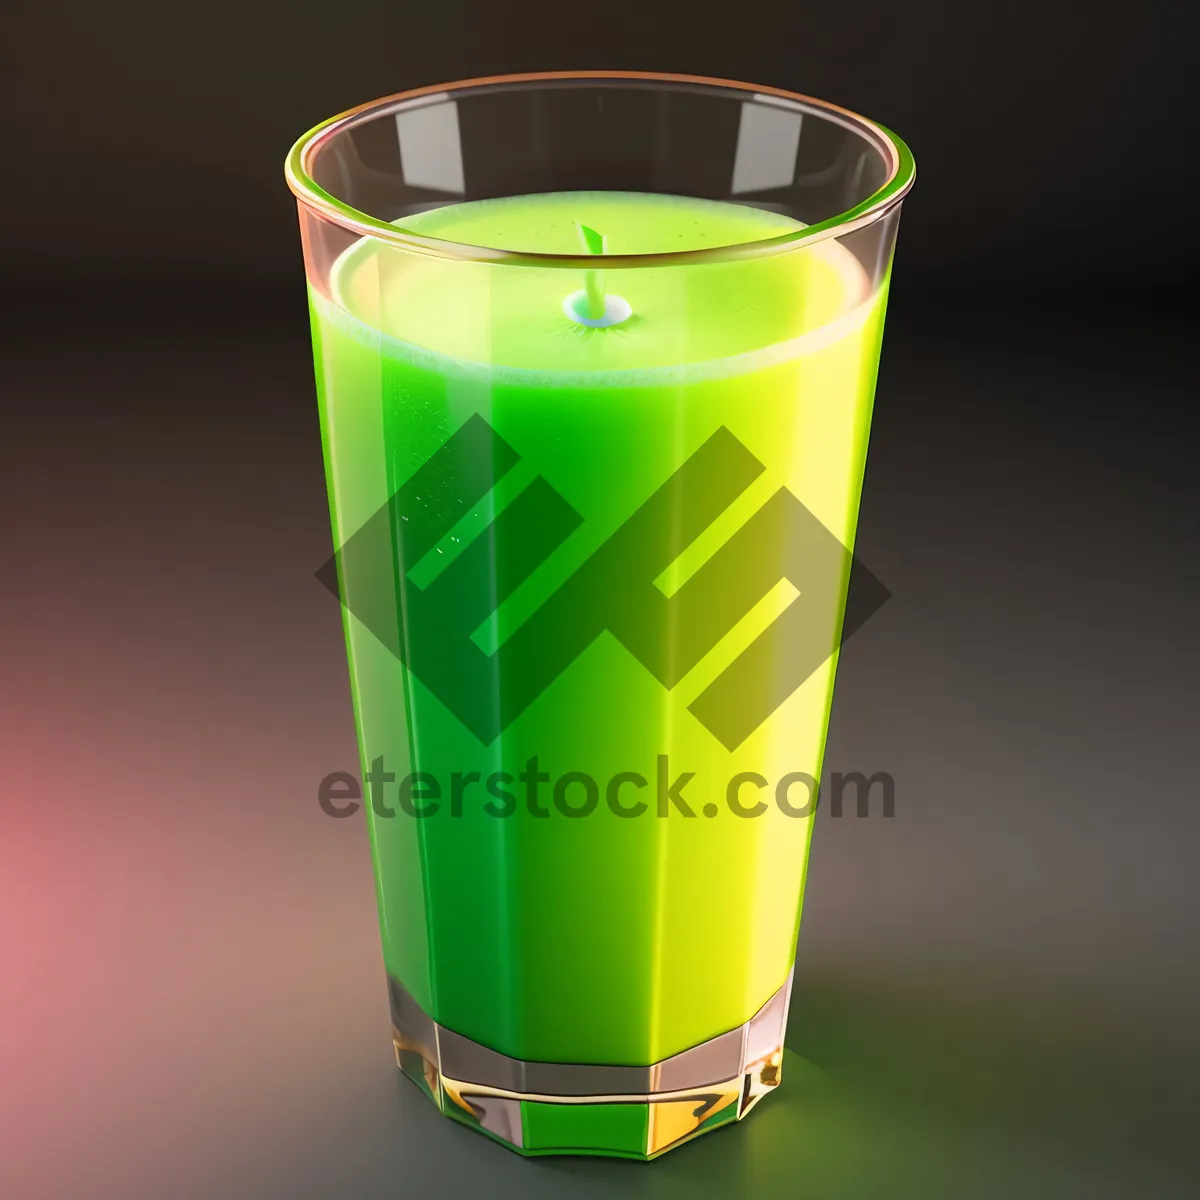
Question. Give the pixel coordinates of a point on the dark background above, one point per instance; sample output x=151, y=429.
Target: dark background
x=1053, y=141
x=996, y=989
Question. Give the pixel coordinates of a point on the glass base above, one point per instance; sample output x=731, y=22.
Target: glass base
x=565, y=1108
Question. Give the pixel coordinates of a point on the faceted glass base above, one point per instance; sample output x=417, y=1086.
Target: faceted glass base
x=559, y=1108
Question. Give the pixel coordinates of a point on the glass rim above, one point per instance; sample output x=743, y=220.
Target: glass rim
x=901, y=174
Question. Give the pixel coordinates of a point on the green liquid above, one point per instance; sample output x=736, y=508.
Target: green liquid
x=605, y=939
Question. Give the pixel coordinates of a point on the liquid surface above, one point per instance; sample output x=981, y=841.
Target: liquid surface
x=631, y=222
x=512, y=317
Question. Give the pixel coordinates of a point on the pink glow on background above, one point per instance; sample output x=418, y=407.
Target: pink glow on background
x=189, y=951
x=165, y=975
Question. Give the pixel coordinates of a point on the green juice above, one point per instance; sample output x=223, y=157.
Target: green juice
x=602, y=939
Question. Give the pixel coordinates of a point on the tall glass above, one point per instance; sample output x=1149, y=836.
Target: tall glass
x=595, y=357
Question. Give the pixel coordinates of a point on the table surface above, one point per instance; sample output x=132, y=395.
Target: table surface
x=996, y=989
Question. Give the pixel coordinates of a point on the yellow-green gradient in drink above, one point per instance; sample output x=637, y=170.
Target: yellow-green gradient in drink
x=602, y=939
